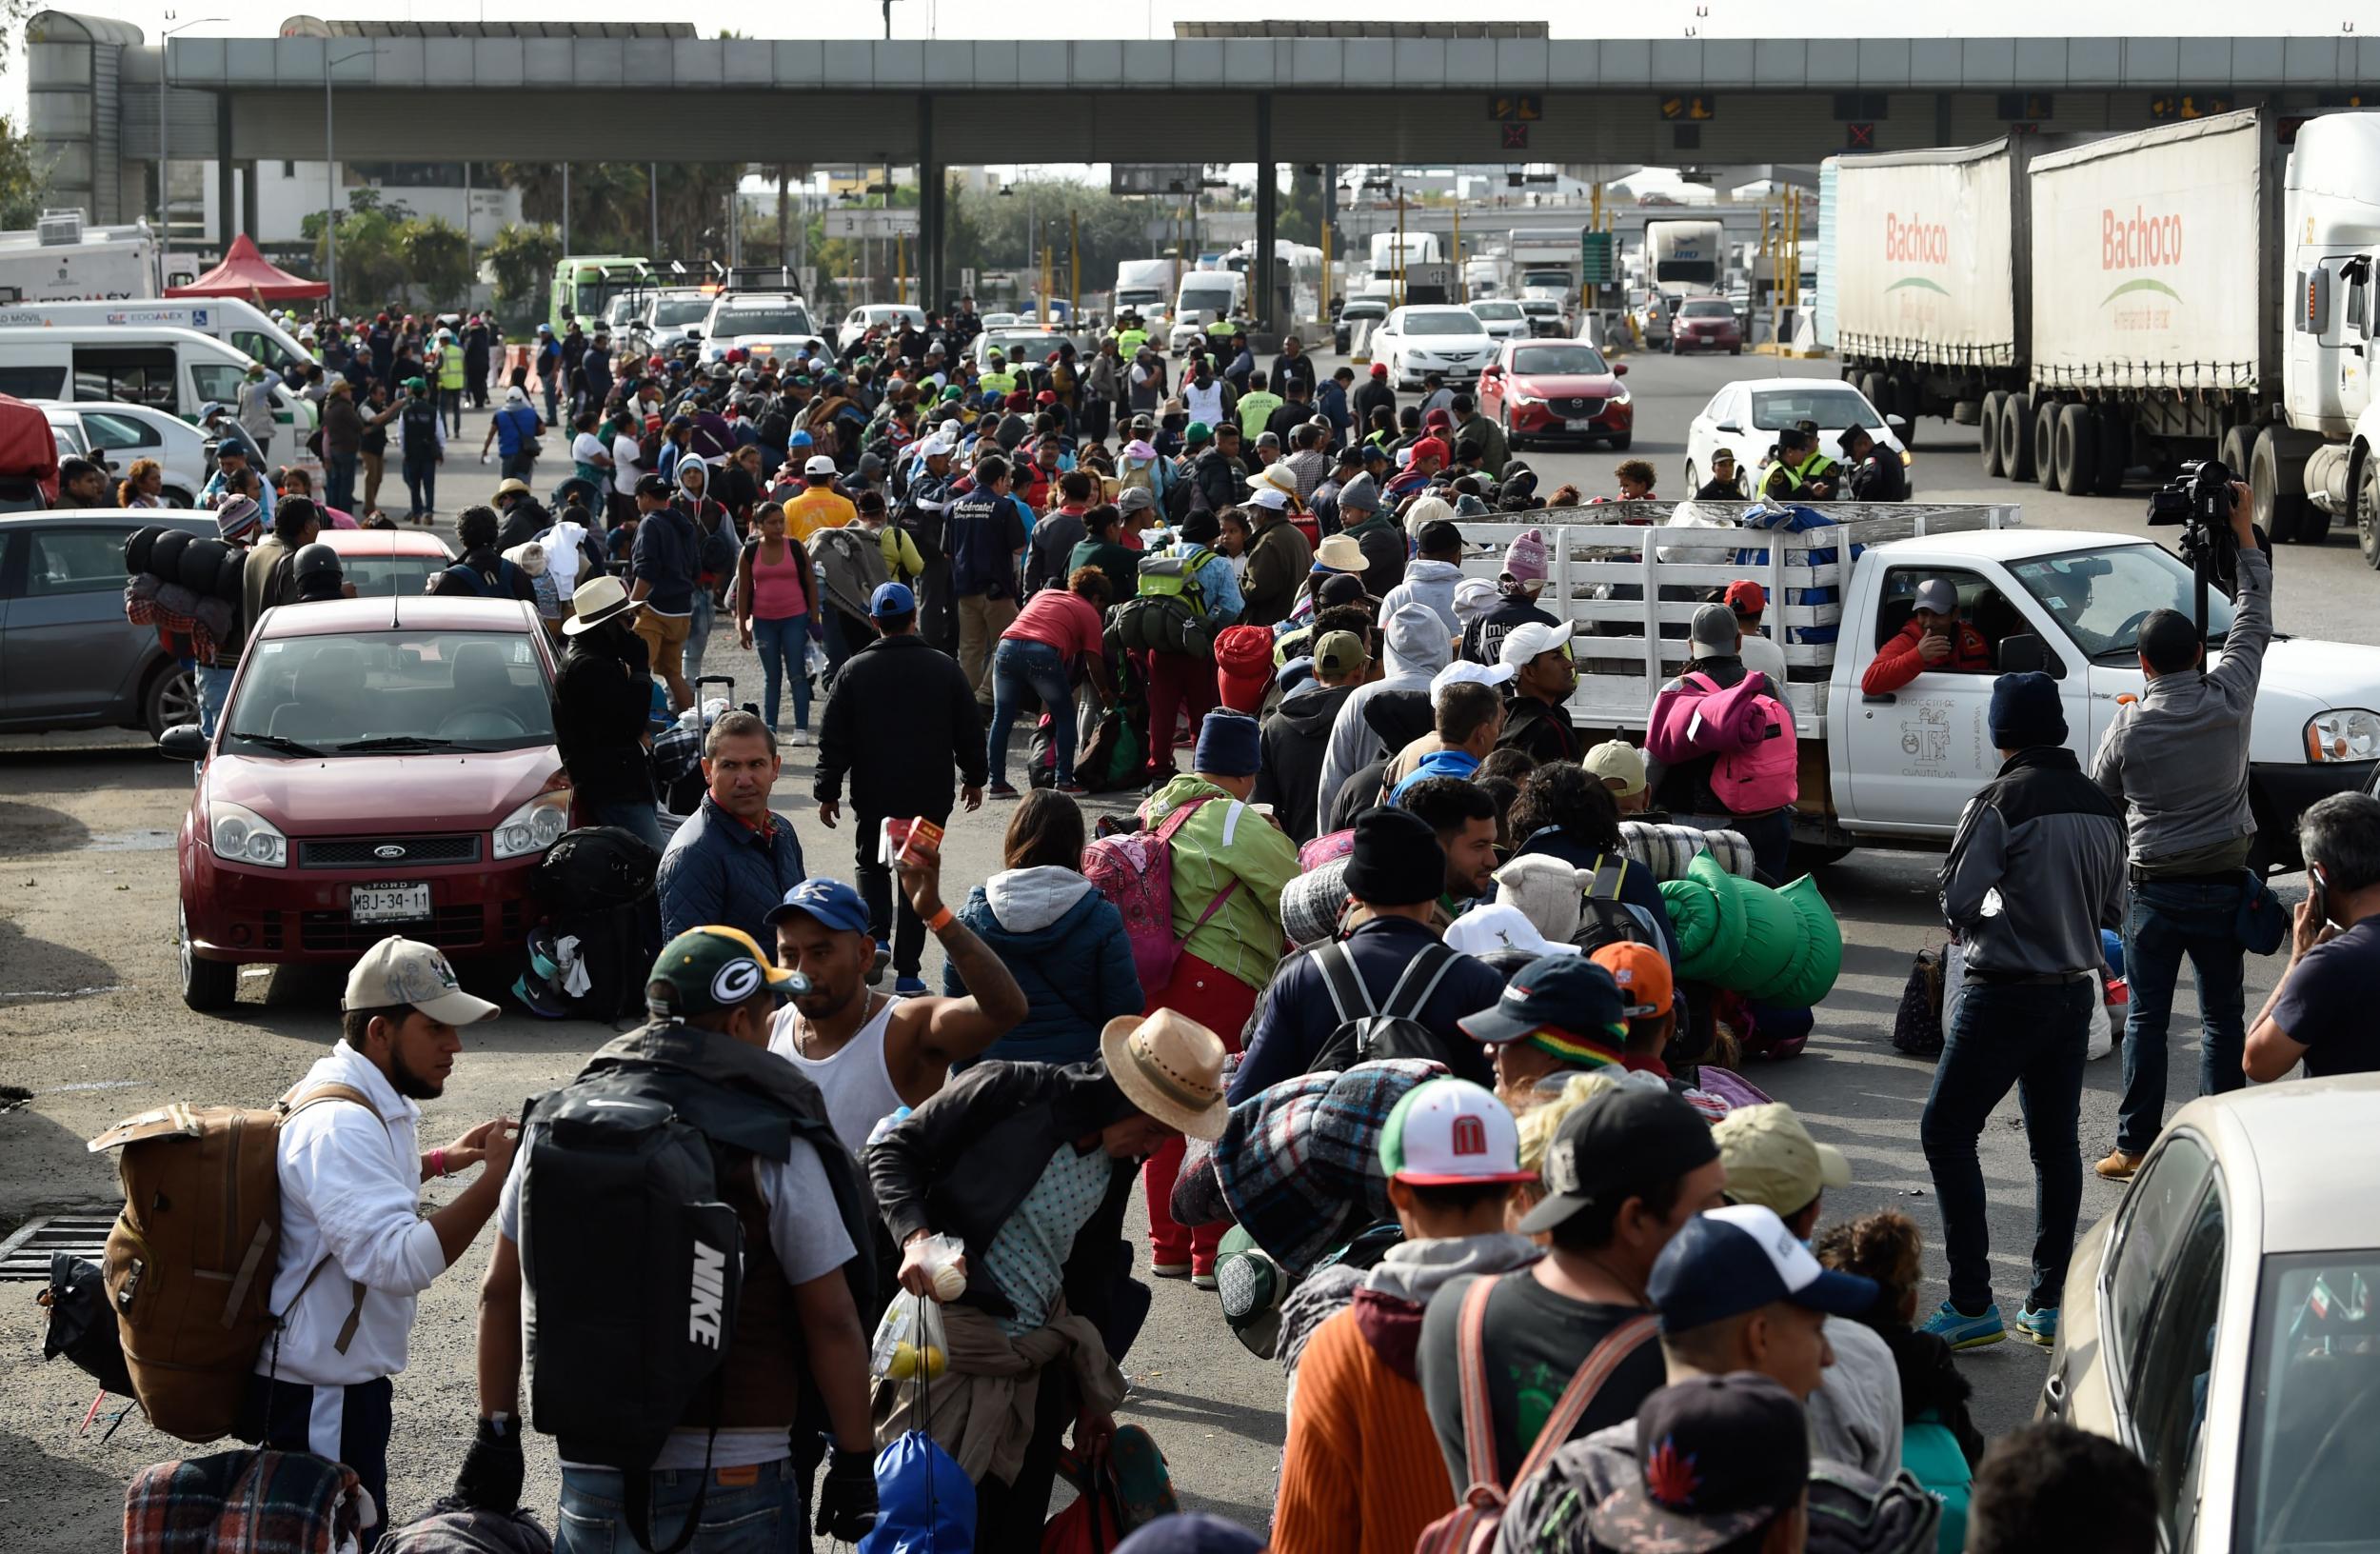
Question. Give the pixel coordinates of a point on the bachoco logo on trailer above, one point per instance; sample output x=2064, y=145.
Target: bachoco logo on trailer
x=2135, y=242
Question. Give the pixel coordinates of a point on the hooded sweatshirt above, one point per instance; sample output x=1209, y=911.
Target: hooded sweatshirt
x=1291, y=762
x=1223, y=841
x=1418, y=648
x=1064, y=944
x=1430, y=582
x=714, y=531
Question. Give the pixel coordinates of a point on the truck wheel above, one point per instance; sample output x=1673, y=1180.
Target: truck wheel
x=2077, y=451
x=2365, y=483
x=2017, y=436
x=1988, y=432
x=2044, y=443
x=2283, y=517
x=206, y=986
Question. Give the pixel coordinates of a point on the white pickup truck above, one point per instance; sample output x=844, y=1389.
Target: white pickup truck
x=1897, y=769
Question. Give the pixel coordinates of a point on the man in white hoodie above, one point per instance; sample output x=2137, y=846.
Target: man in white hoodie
x=1431, y=577
x=1417, y=647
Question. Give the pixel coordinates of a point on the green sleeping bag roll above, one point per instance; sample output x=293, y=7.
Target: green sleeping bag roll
x=1772, y=938
x=1818, y=958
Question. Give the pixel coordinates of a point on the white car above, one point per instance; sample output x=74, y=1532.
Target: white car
x=1504, y=318
x=1416, y=340
x=115, y=434
x=671, y=314
x=869, y=315
x=999, y=321
x=1744, y=417
x=762, y=324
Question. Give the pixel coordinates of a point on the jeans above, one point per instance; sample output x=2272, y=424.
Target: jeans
x=888, y=918
x=783, y=643
x=2032, y=1036
x=214, y=688
x=698, y=632
x=630, y=816
x=761, y=1516
x=845, y=635
x=521, y=466
x=553, y=397
x=450, y=406
x=2167, y=920
x=339, y=481
x=1019, y=664
x=421, y=484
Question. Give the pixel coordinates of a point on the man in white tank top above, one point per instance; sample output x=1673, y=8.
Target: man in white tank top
x=871, y=1053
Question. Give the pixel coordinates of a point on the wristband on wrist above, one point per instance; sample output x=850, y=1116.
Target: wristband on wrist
x=438, y=1160
x=941, y=920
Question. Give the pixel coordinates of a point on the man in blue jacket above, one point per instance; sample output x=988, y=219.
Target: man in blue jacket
x=1395, y=874
x=732, y=862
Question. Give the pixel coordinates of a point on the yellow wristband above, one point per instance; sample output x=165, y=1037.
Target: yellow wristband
x=941, y=920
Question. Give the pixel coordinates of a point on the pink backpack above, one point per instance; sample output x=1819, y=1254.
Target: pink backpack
x=1745, y=725
x=1136, y=873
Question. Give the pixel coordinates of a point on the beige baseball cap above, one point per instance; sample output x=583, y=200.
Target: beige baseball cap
x=1619, y=764
x=1773, y=1161
x=402, y=970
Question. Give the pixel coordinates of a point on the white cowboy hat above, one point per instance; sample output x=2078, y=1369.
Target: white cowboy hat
x=595, y=601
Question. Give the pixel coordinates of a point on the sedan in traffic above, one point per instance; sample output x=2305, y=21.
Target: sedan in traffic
x=1558, y=392
x=1418, y=340
x=68, y=659
x=2222, y=1322
x=382, y=766
x=1706, y=323
x=1745, y=416
x=1504, y=318
x=383, y=563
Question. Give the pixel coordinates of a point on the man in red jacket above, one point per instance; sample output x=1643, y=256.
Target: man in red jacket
x=1935, y=638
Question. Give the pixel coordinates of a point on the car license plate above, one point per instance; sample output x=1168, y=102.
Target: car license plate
x=389, y=902
x=1586, y=424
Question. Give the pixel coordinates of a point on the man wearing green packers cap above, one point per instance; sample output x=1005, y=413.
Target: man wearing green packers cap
x=784, y=1361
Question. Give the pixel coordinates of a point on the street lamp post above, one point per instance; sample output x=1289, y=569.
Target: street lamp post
x=330, y=177
x=165, y=206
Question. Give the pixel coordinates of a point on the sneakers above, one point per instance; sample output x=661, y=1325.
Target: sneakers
x=999, y=790
x=1961, y=1331
x=2038, y=1324
x=1170, y=1270
x=1203, y=1281
x=909, y=986
x=799, y=736
x=1073, y=789
x=876, y=968
x=2118, y=1166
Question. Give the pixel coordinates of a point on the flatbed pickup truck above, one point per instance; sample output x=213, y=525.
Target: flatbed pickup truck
x=1897, y=769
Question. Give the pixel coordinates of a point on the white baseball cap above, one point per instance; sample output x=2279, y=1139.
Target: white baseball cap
x=1463, y=672
x=401, y=971
x=1530, y=638
x=818, y=465
x=1451, y=1133
x=1500, y=925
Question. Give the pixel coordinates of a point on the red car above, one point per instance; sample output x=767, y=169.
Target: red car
x=1558, y=392
x=1706, y=323
x=383, y=765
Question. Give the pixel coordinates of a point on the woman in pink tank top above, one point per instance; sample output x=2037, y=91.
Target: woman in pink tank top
x=777, y=611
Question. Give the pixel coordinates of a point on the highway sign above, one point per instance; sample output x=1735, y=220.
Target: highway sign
x=1155, y=177
x=1525, y=106
x=895, y=223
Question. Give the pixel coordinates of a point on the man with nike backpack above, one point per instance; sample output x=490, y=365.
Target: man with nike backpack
x=677, y=1255
x=1722, y=738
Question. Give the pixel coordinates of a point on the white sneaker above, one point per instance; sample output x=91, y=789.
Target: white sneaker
x=797, y=737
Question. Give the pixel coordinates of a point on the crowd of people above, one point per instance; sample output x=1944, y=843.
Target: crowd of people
x=1373, y=974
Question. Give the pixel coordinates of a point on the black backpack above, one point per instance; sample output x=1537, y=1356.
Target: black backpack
x=1366, y=1034
x=595, y=866
x=634, y=1321
x=1603, y=919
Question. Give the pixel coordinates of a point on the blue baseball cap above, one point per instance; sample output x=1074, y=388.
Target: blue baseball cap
x=892, y=599
x=831, y=902
x=800, y=439
x=1726, y=1262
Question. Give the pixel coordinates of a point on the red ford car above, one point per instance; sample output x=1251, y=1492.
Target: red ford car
x=1706, y=323
x=383, y=765
x=1556, y=391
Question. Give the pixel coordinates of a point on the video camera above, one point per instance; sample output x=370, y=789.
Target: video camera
x=2199, y=499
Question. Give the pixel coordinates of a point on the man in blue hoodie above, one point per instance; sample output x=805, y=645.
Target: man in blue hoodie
x=1469, y=716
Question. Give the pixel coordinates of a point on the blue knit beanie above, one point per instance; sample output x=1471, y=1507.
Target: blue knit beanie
x=1227, y=745
x=2025, y=711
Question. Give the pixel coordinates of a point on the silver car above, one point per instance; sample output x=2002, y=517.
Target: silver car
x=2223, y=1320
x=68, y=659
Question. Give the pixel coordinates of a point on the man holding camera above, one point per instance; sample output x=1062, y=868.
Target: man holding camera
x=2321, y=1011
x=2177, y=759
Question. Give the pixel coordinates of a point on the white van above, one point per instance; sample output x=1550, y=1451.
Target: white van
x=240, y=325
x=180, y=371
x=1207, y=296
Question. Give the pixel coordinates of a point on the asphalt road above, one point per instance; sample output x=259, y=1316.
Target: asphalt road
x=91, y=1023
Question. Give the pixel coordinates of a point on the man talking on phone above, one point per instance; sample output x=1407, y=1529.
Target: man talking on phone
x=1935, y=638
x=2321, y=1011
x=2177, y=760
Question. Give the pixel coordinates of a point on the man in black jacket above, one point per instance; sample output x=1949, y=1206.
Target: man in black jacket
x=901, y=720
x=525, y=518
x=1296, y=735
x=1218, y=478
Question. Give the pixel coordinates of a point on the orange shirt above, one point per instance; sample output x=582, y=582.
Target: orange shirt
x=1362, y=1473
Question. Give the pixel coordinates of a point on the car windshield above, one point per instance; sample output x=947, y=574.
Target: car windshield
x=398, y=690
x=1546, y=277
x=1206, y=299
x=389, y=576
x=2312, y=1379
x=1831, y=408
x=1446, y=323
x=1365, y=310
x=1708, y=307
x=1540, y=306
x=677, y=313
x=70, y=436
x=1495, y=309
x=2102, y=596
x=1547, y=360
x=781, y=318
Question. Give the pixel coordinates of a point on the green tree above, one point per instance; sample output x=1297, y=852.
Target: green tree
x=437, y=256
x=1300, y=219
x=523, y=259
x=24, y=175
x=372, y=265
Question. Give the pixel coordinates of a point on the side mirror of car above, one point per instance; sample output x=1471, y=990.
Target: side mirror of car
x=1731, y=428
x=2023, y=652
x=1620, y=369
x=183, y=742
x=1896, y=422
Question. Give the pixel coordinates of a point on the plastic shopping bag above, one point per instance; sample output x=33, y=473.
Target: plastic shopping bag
x=925, y=1502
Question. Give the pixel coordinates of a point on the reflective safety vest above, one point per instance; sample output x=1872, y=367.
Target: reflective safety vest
x=1002, y=384
x=1129, y=342
x=450, y=367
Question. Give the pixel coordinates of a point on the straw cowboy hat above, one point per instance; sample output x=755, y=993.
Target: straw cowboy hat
x=1171, y=1067
x=597, y=600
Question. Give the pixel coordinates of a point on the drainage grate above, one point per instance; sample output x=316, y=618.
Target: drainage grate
x=26, y=1254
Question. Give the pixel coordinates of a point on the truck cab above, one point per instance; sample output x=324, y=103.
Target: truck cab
x=1897, y=769
x=2327, y=446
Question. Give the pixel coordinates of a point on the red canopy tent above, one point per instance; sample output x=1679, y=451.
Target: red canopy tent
x=248, y=273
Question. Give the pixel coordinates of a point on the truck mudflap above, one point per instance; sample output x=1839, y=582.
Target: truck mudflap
x=2280, y=792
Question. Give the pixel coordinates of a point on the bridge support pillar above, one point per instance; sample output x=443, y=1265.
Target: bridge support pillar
x=932, y=199
x=1263, y=292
